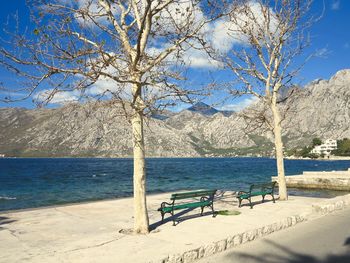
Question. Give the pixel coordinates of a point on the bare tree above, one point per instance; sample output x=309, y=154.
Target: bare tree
x=266, y=36
x=134, y=47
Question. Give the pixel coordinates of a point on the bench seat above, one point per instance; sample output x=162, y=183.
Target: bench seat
x=184, y=206
x=245, y=196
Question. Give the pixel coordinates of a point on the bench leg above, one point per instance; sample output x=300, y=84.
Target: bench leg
x=263, y=199
x=172, y=214
x=250, y=202
x=162, y=217
x=273, y=198
x=212, y=209
x=239, y=202
x=202, y=208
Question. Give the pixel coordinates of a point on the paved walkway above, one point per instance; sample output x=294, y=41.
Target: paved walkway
x=323, y=240
x=92, y=232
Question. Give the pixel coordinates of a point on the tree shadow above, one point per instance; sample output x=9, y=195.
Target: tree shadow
x=291, y=256
x=347, y=242
x=4, y=221
x=225, y=197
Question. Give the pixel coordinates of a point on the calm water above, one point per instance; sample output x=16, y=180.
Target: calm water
x=34, y=182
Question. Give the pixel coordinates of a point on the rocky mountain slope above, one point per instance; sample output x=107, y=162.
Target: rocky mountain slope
x=321, y=109
x=76, y=130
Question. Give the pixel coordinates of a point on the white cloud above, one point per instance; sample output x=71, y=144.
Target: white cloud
x=240, y=105
x=221, y=39
x=93, y=8
x=176, y=15
x=335, y=5
x=103, y=86
x=226, y=33
x=222, y=34
x=322, y=52
x=192, y=57
x=57, y=97
x=199, y=59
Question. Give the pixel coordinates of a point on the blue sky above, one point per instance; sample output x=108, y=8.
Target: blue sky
x=331, y=36
x=330, y=40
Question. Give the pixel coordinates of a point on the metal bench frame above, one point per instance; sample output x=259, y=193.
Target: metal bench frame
x=206, y=200
x=262, y=189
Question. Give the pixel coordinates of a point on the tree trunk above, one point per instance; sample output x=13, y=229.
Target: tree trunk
x=141, y=222
x=279, y=149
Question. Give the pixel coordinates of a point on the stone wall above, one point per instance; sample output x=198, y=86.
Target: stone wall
x=334, y=180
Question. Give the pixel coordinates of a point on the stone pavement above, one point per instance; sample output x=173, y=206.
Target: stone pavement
x=98, y=231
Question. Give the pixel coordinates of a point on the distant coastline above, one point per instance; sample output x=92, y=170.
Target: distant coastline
x=331, y=158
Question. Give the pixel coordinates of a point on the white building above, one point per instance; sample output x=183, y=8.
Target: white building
x=325, y=148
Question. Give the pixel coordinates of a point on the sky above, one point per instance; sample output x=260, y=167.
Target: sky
x=330, y=41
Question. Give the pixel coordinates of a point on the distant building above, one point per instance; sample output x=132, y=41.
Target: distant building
x=325, y=148
x=2, y=155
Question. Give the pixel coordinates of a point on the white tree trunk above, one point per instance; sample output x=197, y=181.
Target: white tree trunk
x=141, y=221
x=279, y=150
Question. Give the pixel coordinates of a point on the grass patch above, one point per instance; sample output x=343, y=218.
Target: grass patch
x=228, y=212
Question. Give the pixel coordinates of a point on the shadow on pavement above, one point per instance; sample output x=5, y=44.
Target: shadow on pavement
x=179, y=217
x=290, y=256
x=6, y=220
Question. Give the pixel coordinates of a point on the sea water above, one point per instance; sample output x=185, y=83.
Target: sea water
x=36, y=182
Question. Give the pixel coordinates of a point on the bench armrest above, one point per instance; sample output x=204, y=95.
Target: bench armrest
x=164, y=204
x=205, y=198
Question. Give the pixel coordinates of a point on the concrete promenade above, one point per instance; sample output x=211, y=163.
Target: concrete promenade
x=98, y=231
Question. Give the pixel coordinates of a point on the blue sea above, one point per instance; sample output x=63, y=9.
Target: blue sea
x=37, y=182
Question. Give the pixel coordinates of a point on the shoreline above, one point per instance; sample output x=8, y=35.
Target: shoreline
x=335, y=158
x=131, y=157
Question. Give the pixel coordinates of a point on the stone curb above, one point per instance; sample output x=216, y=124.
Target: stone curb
x=231, y=241
x=319, y=209
x=330, y=206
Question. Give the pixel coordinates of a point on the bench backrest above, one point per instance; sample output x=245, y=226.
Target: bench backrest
x=186, y=195
x=263, y=186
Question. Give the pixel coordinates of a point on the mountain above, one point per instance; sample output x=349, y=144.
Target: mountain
x=205, y=109
x=84, y=130
x=320, y=109
x=202, y=108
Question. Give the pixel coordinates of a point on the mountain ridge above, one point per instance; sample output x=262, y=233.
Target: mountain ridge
x=320, y=109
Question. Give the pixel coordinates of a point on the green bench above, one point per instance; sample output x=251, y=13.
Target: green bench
x=262, y=189
x=195, y=199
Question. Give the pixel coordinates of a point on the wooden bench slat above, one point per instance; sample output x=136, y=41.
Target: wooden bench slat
x=183, y=206
x=186, y=195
